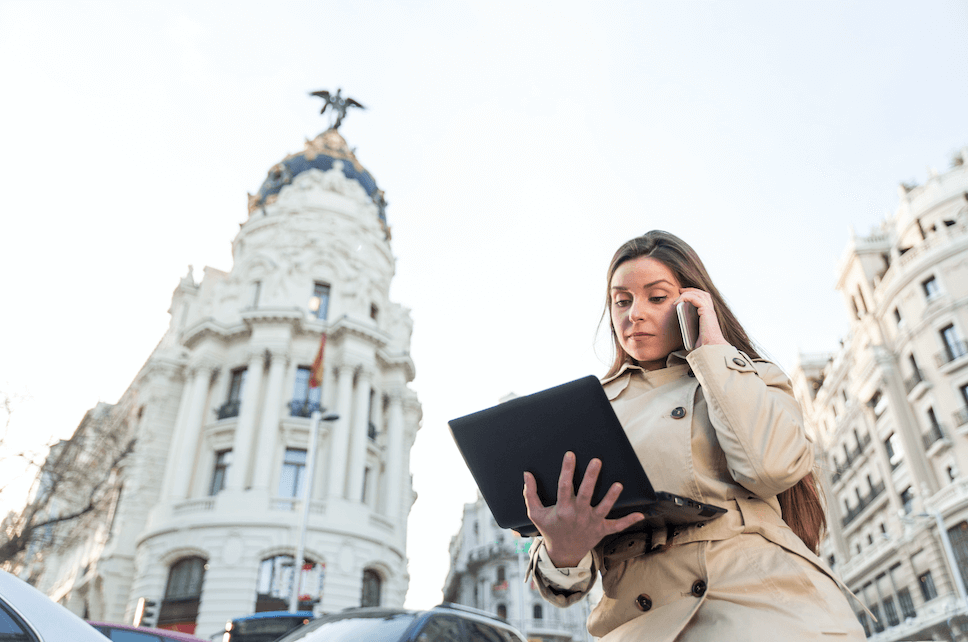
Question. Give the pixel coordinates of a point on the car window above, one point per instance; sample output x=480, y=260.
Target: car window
x=480, y=632
x=11, y=628
x=440, y=629
x=123, y=635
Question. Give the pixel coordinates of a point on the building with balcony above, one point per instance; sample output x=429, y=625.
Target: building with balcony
x=203, y=517
x=889, y=410
x=487, y=569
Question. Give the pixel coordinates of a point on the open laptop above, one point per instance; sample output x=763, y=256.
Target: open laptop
x=534, y=432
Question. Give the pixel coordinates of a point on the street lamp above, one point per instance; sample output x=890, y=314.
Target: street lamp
x=317, y=417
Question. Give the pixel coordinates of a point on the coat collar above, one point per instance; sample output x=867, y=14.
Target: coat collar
x=615, y=384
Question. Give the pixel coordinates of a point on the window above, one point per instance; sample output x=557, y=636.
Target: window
x=954, y=347
x=502, y=611
x=862, y=618
x=319, y=302
x=366, y=483
x=959, y=544
x=236, y=390
x=931, y=288
x=441, y=629
x=907, y=604
x=879, y=621
x=927, y=586
x=11, y=628
x=893, y=447
x=374, y=311
x=256, y=291
x=274, y=585
x=890, y=611
x=291, y=478
x=372, y=584
x=305, y=400
x=182, y=594
x=223, y=459
x=538, y=612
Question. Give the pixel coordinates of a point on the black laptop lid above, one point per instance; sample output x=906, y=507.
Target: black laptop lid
x=533, y=433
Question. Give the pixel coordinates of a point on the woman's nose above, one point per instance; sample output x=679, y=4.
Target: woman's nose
x=637, y=310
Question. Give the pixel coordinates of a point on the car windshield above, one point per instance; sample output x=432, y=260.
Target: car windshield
x=382, y=628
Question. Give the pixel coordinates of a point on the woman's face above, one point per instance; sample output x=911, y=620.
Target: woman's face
x=642, y=294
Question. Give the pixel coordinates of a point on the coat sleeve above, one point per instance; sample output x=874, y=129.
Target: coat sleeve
x=756, y=418
x=559, y=586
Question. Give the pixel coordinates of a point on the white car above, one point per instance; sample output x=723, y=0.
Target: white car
x=27, y=615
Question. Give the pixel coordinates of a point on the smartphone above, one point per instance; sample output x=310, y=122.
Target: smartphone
x=688, y=324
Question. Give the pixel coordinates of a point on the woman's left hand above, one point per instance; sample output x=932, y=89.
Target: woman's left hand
x=709, y=331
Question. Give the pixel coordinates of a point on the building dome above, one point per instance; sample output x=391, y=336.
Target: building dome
x=322, y=153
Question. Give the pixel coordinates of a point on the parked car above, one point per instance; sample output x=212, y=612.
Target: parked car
x=444, y=623
x=264, y=627
x=27, y=615
x=128, y=633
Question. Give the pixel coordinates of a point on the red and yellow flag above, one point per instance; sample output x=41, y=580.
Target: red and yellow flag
x=316, y=376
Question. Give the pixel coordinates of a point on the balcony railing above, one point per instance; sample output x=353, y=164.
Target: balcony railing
x=961, y=417
x=912, y=381
x=229, y=409
x=863, y=503
x=302, y=407
x=951, y=352
x=934, y=434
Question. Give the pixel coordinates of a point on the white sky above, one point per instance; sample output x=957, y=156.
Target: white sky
x=518, y=144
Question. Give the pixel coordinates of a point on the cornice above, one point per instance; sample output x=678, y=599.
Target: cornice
x=292, y=315
x=209, y=327
x=346, y=325
x=398, y=360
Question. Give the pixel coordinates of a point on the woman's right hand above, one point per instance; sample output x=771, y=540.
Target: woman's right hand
x=572, y=526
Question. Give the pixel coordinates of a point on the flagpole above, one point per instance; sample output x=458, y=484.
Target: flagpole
x=307, y=487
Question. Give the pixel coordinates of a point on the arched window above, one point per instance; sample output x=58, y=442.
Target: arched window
x=501, y=576
x=538, y=612
x=183, y=593
x=372, y=588
x=502, y=611
x=274, y=587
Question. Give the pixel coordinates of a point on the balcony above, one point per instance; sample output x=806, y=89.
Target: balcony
x=912, y=381
x=302, y=407
x=864, y=502
x=952, y=351
x=228, y=409
x=961, y=417
x=934, y=435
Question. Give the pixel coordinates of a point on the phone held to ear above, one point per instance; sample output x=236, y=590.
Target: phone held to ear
x=688, y=324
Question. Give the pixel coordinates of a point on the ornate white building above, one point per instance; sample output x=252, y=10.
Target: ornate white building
x=487, y=569
x=205, y=513
x=890, y=410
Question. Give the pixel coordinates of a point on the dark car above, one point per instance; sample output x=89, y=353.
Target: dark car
x=444, y=623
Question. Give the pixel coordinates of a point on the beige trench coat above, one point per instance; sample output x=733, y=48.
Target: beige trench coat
x=723, y=429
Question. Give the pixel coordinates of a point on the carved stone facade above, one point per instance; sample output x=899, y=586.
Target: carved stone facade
x=890, y=413
x=208, y=513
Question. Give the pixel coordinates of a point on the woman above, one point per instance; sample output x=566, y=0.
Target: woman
x=719, y=425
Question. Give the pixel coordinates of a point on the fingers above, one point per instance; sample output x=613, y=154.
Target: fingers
x=619, y=525
x=531, y=500
x=588, y=482
x=566, y=480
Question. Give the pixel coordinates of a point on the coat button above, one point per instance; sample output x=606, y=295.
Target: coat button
x=698, y=588
x=679, y=413
x=643, y=602
x=739, y=362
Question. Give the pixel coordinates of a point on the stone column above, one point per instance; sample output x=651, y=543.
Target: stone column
x=359, y=438
x=339, y=444
x=177, y=435
x=269, y=426
x=238, y=472
x=184, y=460
x=394, y=456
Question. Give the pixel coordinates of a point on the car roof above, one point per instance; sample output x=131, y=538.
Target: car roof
x=274, y=614
x=165, y=633
x=458, y=610
x=51, y=621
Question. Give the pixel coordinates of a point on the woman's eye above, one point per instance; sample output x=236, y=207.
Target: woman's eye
x=621, y=303
x=657, y=299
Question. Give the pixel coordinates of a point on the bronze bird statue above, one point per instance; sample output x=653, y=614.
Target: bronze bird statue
x=338, y=103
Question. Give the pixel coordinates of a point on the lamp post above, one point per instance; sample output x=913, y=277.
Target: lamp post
x=317, y=417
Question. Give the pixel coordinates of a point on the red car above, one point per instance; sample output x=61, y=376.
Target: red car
x=128, y=633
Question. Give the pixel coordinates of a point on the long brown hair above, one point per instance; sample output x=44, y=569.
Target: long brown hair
x=801, y=504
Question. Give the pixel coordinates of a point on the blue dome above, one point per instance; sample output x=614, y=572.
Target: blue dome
x=321, y=153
